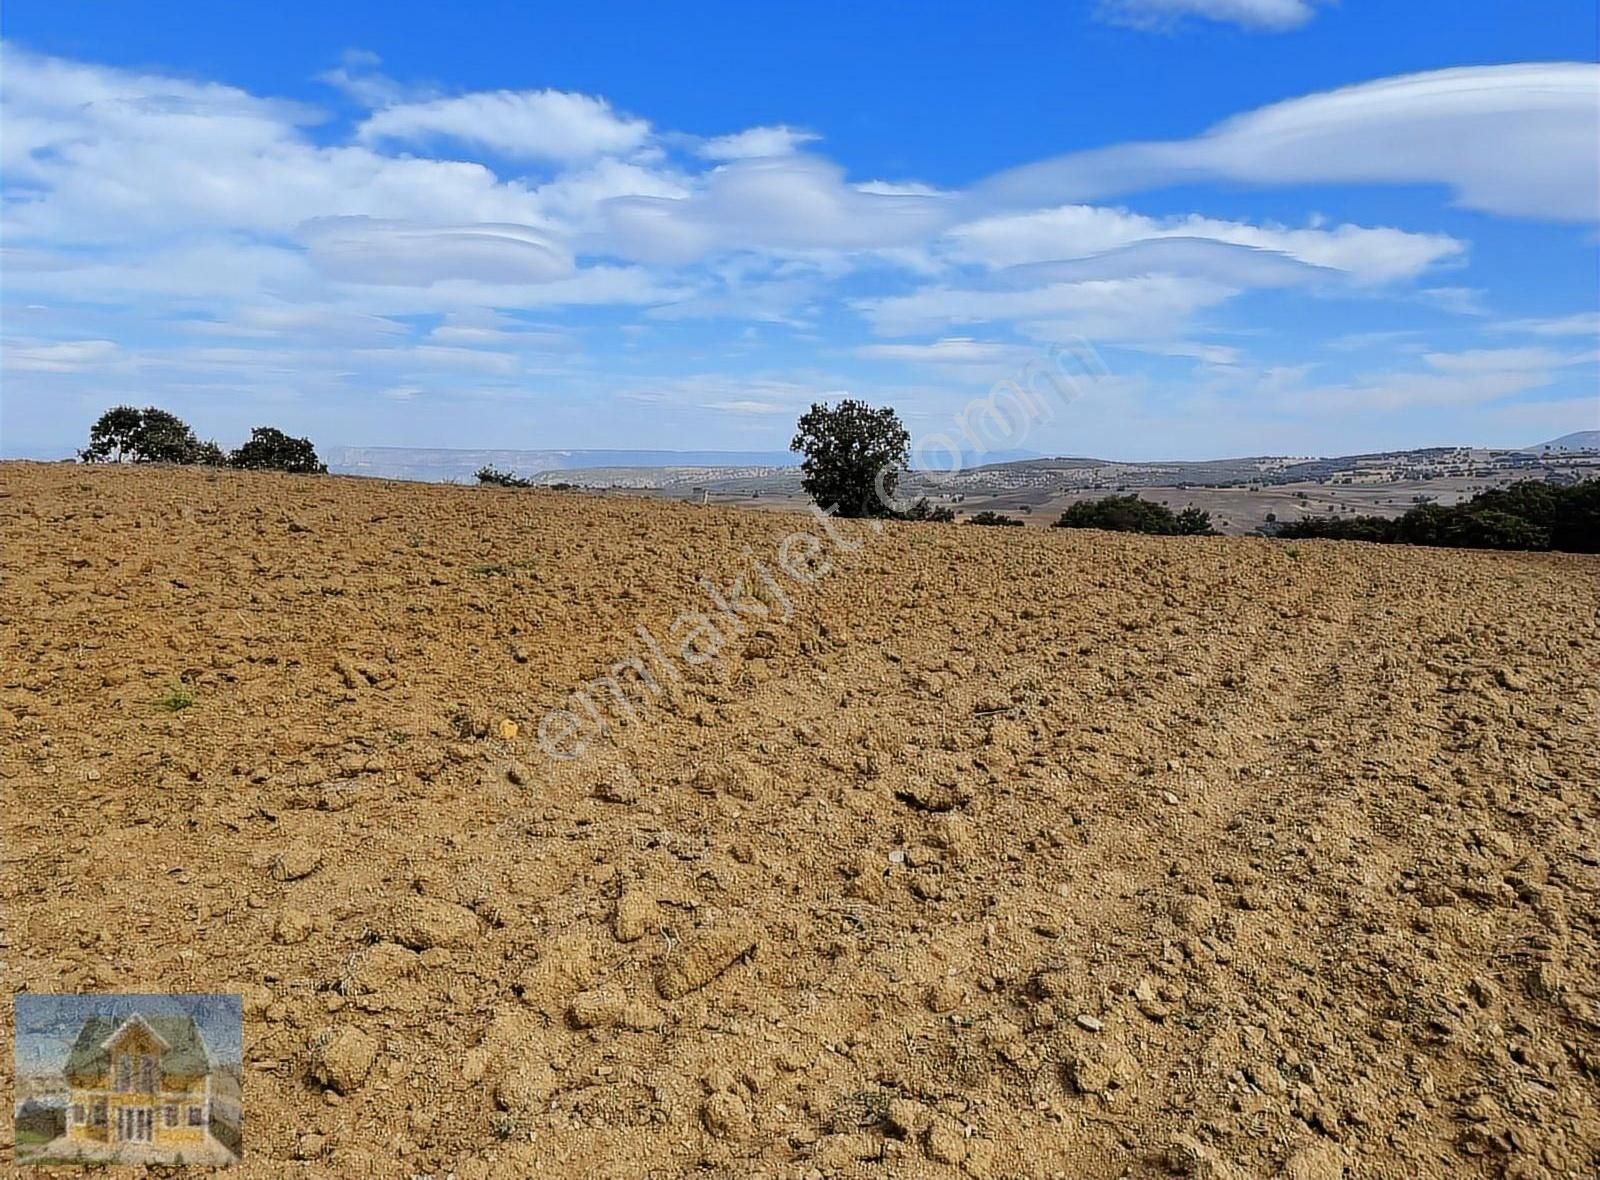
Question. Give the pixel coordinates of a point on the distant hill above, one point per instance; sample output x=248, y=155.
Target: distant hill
x=1578, y=440
x=449, y=465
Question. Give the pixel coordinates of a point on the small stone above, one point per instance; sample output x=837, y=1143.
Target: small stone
x=1187, y=1156
x=1511, y=681
x=1086, y=1021
x=636, y=914
x=601, y=1007
x=292, y=927
x=944, y=996
x=724, y=1115
x=1100, y=1070
x=507, y=729
x=1321, y=1161
x=525, y=1087
x=1149, y=1001
x=516, y=773
x=338, y=795
x=309, y=1146
x=641, y=1016
x=935, y=797
x=699, y=961
x=296, y=861
x=618, y=785
x=946, y=1144
x=342, y=1058
x=1266, y=1077
x=425, y=922
x=905, y=1117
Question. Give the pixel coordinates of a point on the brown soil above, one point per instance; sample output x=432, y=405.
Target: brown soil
x=1013, y=853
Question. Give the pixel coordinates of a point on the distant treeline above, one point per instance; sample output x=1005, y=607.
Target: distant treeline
x=126, y=434
x=1529, y=514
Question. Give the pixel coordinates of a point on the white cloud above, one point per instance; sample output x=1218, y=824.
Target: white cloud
x=756, y=142
x=1518, y=140
x=67, y=356
x=750, y=407
x=1075, y=231
x=791, y=203
x=1274, y=16
x=1502, y=360
x=520, y=124
x=299, y=322
x=952, y=351
x=1584, y=323
x=1456, y=300
x=402, y=254
x=1129, y=308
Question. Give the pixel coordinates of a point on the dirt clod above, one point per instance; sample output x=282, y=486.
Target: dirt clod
x=342, y=1057
x=705, y=957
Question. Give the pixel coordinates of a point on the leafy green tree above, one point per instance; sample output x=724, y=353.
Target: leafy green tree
x=113, y=436
x=166, y=438
x=270, y=449
x=1194, y=522
x=854, y=456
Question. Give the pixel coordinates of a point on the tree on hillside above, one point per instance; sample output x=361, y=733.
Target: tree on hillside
x=924, y=509
x=854, y=456
x=994, y=518
x=112, y=437
x=1194, y=522
x=124, y=434
x=1121, y=514
x=270, y=449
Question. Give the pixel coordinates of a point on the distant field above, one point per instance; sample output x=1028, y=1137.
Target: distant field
x=1235, y=511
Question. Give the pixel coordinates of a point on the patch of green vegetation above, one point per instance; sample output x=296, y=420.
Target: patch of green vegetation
x=176, y=699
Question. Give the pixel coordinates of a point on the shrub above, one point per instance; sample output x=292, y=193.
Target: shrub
x=270, y=449
x=1120, y=514
x=994, y=518
x=501, y=479
x=924, y=510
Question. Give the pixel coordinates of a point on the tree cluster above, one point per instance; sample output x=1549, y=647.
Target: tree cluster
x=1131, y=514
x=1529, y=514
x=126, y=434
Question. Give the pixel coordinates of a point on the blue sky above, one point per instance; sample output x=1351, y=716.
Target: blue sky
x=1284, y=226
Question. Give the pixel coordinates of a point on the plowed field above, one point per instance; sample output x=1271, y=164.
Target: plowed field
x=988, y=852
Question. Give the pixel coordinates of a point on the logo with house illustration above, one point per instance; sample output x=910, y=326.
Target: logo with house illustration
x=128, y=1078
